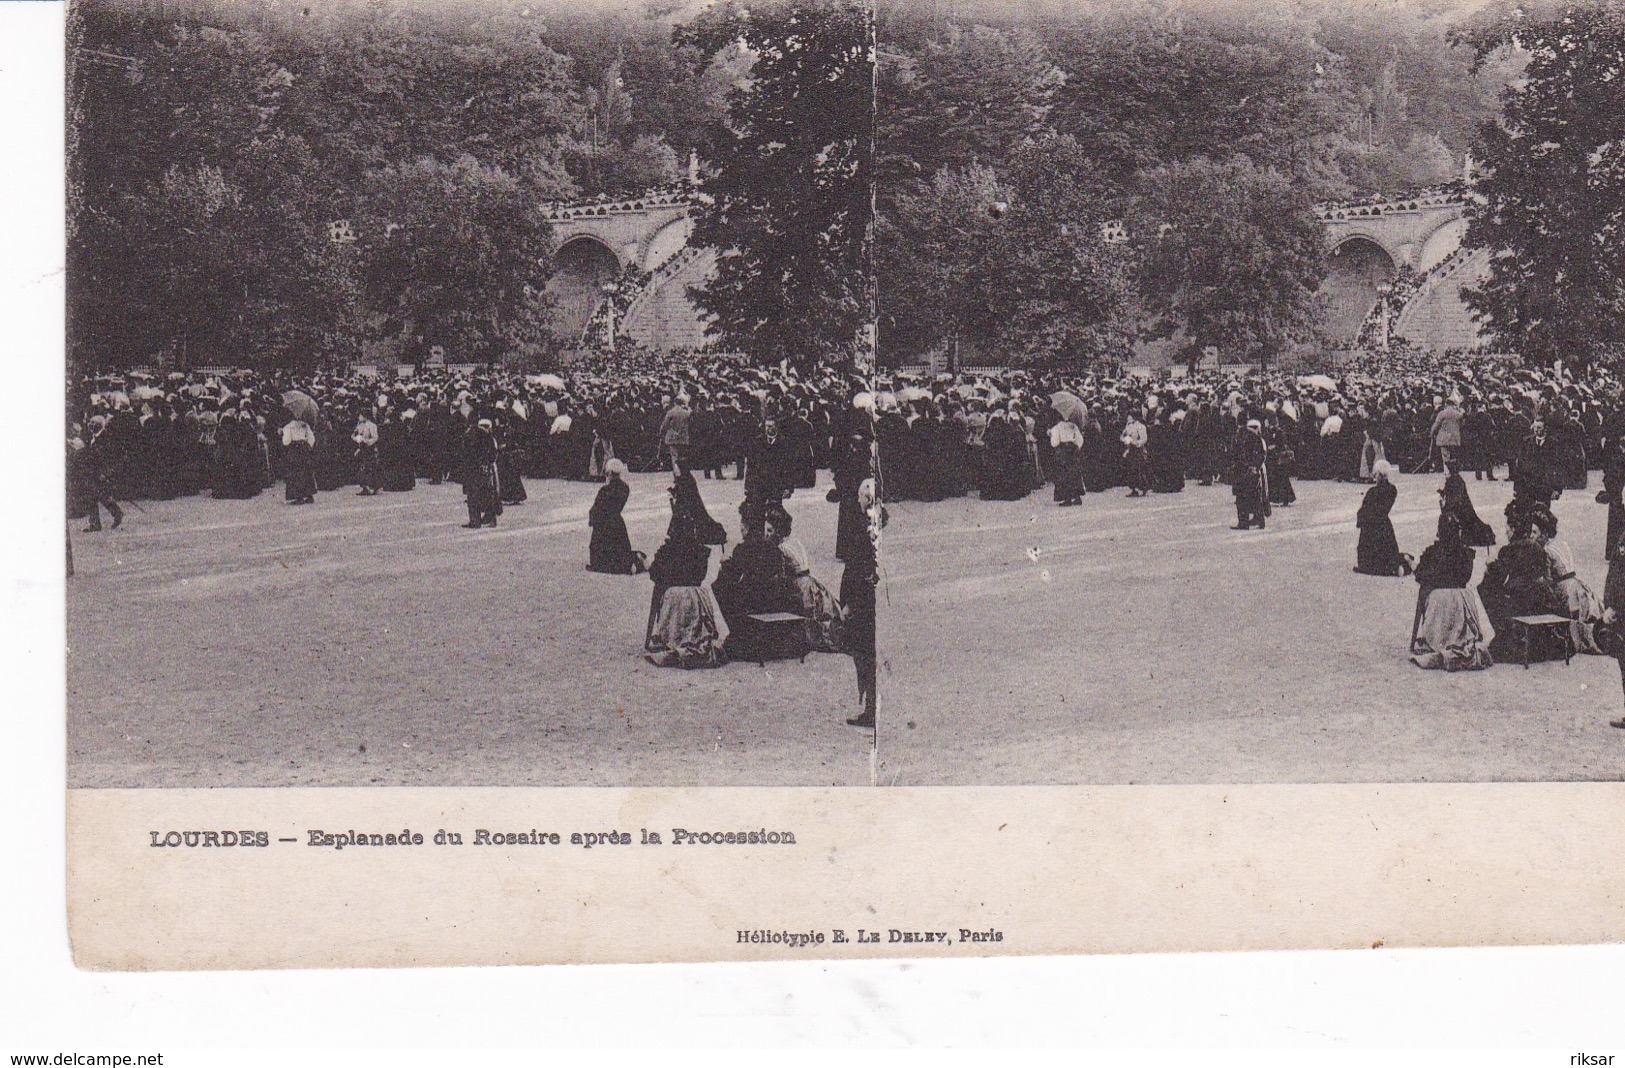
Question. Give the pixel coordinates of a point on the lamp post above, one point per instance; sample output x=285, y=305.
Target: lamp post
x=609, y=305
x=1383, y=290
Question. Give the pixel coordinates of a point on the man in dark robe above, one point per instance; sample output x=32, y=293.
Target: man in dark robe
x=1613, y=482
x=858, y=582
x=480, y=475
x=798, y=434
x=1478, y=441
x=705, y=439
x=1247, y=476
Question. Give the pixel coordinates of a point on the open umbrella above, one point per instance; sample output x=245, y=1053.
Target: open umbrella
x=1317, y=382
x=1070, y=407
x=913, y=393
x=545, y=381
x=301, y=407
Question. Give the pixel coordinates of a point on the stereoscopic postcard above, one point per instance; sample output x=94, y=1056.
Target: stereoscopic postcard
x=592, y=480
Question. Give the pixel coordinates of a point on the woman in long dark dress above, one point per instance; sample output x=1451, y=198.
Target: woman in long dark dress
x=511, y=465
x=394, y=458
x=756, y=580
x=298, y=445
x=1378, y=552
x=689, y=507
x=1007, y=477
x=235, y=443
x=610, y=550
x=1455, y=502
x=1521, y=581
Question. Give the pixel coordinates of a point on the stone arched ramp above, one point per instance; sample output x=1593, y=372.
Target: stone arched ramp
x=1421, y=236
x=651, y=233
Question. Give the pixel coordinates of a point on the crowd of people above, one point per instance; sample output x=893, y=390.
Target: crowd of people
x=140, y=436
x=1004, y=435
x=234, y=434
x=1001, y=435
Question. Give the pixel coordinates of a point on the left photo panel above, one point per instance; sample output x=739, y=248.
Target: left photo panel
x=470, y=394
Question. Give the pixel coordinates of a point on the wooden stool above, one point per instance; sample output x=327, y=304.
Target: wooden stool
x=781, y=626
x=1530, y=624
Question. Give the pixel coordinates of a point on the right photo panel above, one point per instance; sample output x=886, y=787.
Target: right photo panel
x=1249, y=401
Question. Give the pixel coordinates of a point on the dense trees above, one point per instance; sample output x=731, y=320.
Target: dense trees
x=1210, y=131
x=282, y=183
x=212, y=146
x=1552, y=203
x=789, y=189
x=1229, y=253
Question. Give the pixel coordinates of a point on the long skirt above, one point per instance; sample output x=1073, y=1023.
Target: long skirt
x=1586, y=608
x=609, y=551
x=369, y=473
x=684, y=633
x=602, y=453
x=1281, y=491
x=510, y=485
x=1455, y=632
x=1371, y=454
x=1067, y=469
x=300, y=487
x=823, y=612
x=300, y=484
x=1378, y=550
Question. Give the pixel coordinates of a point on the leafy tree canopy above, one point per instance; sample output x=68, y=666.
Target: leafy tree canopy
x=788, y=198
x=1552, y=201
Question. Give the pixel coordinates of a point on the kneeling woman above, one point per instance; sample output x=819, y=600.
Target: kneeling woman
x=1378, y=552
x=755, y=581
x=683, y=627
x=1584, y=606
x=609, y=551
x=818, y=605
x=1521, y=581
x=1453, y=631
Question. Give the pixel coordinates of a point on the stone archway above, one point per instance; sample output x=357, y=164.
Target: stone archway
x=581, y=266
x=1354, y=270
